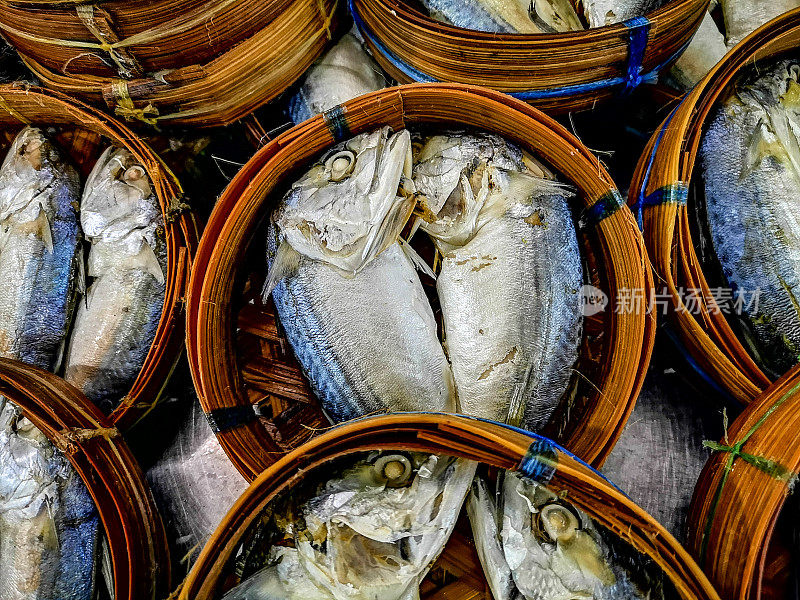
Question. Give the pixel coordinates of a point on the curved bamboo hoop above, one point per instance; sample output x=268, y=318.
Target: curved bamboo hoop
x=555, y=72
x=483, y=441
x=172, y=62
x=96, y=450
x=668, y=163
x=22, y=105
x=230, y=382
x=743, y=489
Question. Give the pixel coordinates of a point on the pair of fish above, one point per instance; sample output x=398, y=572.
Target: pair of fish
x=353, y=306
x=49, y=535
x=41, y=262
x=535, y=16
x=750, y=158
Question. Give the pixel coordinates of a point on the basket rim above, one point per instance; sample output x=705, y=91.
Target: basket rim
x=485, y=441
x=96, y=450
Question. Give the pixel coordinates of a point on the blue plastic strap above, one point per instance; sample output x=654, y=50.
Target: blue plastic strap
x=540, y=462
x=559, y=92
x=602, y=209
x=638, y=32
x=673, y=193
x=223, y=419
x=337, y=124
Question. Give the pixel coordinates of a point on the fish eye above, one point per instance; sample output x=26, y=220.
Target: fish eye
x=340, y=165
x=30, y=146
x=395, y=469
x=556, y=522
x=134, y=173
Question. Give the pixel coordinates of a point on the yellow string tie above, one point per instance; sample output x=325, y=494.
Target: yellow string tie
x=127, y=109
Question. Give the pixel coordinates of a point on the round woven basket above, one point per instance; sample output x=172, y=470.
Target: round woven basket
x=188, y=62
x=490, y=443
x=83, y=131
x=740, y=495
x=248, y=381
x=659, y=191
x=96, y=450
x=555, y=72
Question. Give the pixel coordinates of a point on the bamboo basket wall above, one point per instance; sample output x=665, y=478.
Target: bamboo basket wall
x=484, y=441
x=97, y=452
x=82, y=132
x=557, y=73
x=659, y=190
x=187, y=62
x=247, y=379
x=740, y=494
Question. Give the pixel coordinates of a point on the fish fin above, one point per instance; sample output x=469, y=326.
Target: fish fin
x=81, y=270
x=416, y=260
x=148, y=262
x=787, y=136
x=791, y=98
x=285, y=262
x=555, y=16
x=516, y=407
x=43, y=229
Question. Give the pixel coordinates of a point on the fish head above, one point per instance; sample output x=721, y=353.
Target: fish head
x=31, y=165
x=345, y=210
x=118, y=197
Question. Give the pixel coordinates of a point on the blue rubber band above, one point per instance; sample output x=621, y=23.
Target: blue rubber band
x=544, y=94
x=337, y=124
x=673, y=193
x=638, y=34
x=540, y=462
x=602, y=209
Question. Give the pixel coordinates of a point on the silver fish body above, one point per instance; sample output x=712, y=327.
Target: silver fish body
x=660, y=454
x=742, y=17
x=39, y=249
x=370, y=533
x=750, y=158
x=49, y=526
x=347, y=294
x=117, y=320
x=511, y=315
x=345, y=72
x=194, y=483
x=705, y=50
x=506, y=16
x=600, y=13
x=538, y=547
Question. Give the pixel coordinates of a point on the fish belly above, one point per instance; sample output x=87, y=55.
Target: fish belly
x=742, y=17
x=511, y=317
x=114, y=328
x=367, y=343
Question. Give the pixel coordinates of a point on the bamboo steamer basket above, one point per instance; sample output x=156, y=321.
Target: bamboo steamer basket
x=84, y=132
x=249, y=383
x=741, y=492
x=171, y=62
x=555, y=72
x=95, y=448
x=490, y=443
x=659, y=190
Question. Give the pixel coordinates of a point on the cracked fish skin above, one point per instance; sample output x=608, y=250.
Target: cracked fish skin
x=39, y=249
x=345, y=72
x=750, y=159
x=363, y=536
x=511, y=315
x=564, y=558
x=49, y=527
x=507, y=16
x=350, y=300
x=117, y=319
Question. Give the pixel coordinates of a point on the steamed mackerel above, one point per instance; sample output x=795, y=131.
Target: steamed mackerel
x=506, y=16
x=535, y=546
x=511, y=314
x=371, y=532
x=750, y=157
x=49, y=527
x=345, y=72
x=39, y=249
x=117, y=320
x=347, y=293
x=600, y=13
